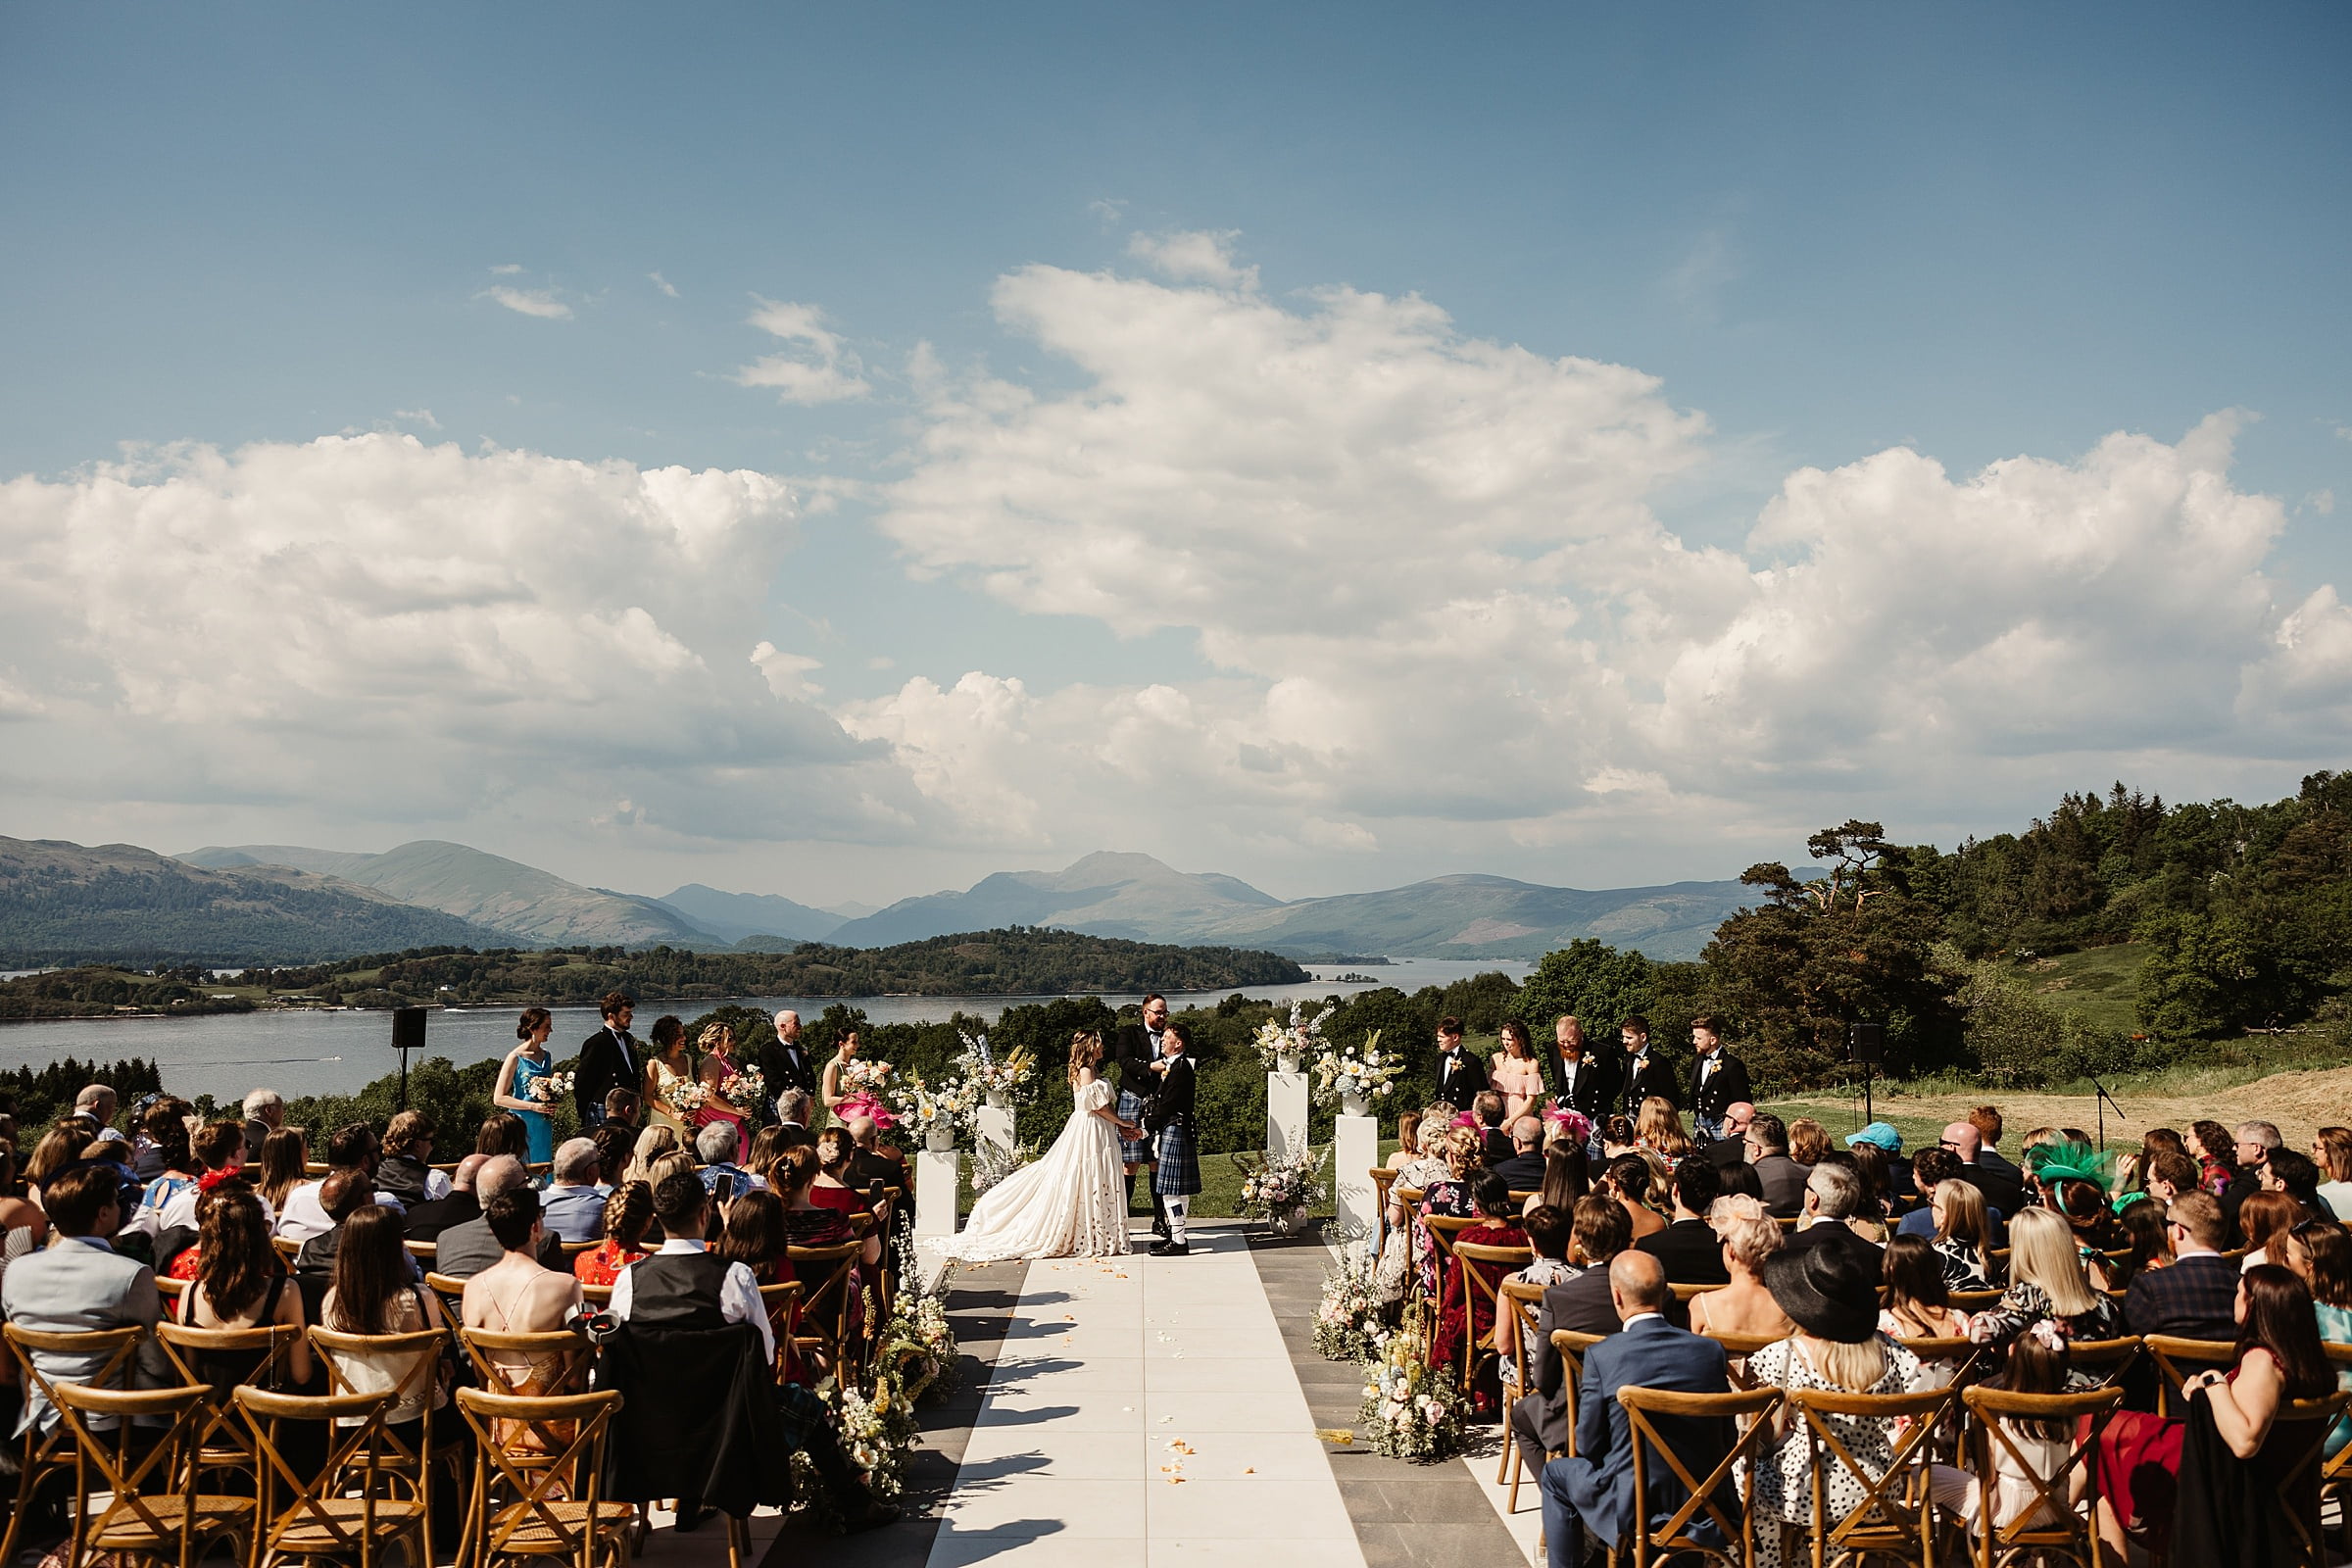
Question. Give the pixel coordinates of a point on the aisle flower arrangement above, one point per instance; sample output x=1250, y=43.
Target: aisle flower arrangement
x=1006, y=1077
x=917, y=1351
x=1347, y=1325
x=1362, y=1072
x=1411, y=1409
x=1299, y=1040
x=1273, y=1190
x=876, y=1436
x=952, y=1103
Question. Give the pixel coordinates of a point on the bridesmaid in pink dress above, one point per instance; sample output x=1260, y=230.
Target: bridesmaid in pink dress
x=1517, y=1075
x=717, y=1045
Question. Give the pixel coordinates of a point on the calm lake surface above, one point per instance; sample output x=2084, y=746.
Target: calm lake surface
x=302, y=1052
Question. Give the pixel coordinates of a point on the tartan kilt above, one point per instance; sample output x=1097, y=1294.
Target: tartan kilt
x=1133, y=1151
x=1179, y=1172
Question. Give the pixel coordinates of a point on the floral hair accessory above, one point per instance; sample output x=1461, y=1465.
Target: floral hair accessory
x=2044, y=1333
x=1575, y=1123
x=2071, y=1162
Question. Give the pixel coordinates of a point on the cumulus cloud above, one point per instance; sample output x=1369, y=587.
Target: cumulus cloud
x=815, y=368
x=534, y=302
x=371, y=626
x=1441, y=609
x=669, y=289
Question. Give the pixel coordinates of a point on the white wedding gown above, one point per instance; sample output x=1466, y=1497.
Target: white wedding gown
x=1070, y=1203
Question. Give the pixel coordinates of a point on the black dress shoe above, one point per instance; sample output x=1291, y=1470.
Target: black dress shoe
x=1170, y=1249
x=690, y=1515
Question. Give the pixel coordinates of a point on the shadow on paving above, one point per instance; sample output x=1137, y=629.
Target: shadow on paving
x=980, y=1304
x=1406, y=1515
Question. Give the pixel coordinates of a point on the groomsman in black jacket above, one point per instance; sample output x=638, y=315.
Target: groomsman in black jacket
x=609, y=1060
x=1584, y=1073
x=1648, y=1072
x=1461, y=1076
x=1718, y=1079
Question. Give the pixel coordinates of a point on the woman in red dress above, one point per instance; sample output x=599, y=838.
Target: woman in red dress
x=1497, y=1226
x=831, y=1188
x=627, y=1214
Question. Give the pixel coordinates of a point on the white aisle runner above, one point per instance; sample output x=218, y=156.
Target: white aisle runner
x=1144, y=1414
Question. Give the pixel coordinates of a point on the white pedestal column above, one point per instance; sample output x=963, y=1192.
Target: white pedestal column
x=935, y=1174
x=995, y=1127
x=1286, y=1114
x=1356, y=1149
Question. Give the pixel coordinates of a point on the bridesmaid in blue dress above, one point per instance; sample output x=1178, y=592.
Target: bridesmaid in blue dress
x=524, y=1065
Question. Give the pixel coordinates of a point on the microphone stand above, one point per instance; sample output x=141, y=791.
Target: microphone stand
x=2105, y=1103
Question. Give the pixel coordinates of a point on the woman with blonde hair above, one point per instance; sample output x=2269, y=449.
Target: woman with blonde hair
x=716, y=1074
x=1964, y=1236
x=1409, y=1140
x=2046, y=1280
x=1750, y=1235
x=1659, y=1129
x=651, y=1144
x=1072, y=1200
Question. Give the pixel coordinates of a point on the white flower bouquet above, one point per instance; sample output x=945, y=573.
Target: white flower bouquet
x=553, y=1089
x=685, y=1096
x=745, y=1088
x=876, y=1434
x=917, y=1351
x=1005, y=1077
x=1302, y=1037
x=1347, y=1324
x=1277, y=1188
x=865, y=1074
x=1364, y=1071
x=1412, y=1411
x=952, y=1103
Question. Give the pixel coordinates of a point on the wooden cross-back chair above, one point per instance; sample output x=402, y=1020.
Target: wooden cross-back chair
x=1382, y=1179
x=1521, y=1303
x=594, y=1297
x=2048, y=1522
x=321, y=1516
x=2177, y=1360
x=452, y=1292
x=575, y=1248
x=548, y=1505
x=49, y=1454
x=2335, y=1469
x=1974, y=1301
x=1685, y=1293
x=1442, y=1229
x=152, y=1508
x=782, y=1304
x=425, y=1252
x=1750, y=1415
x=286, y=1246
x=2105, y=1359
x=2303, y=1469
x=423, y=1351
x=827, y=1316
x=222, y=1441
x=1569, y=1346
x=1480, y=1270
x=1895, y=1517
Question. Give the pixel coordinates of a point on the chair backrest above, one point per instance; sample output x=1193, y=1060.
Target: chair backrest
x=110, y=1349
x=1522, y=1299
x=1741, y=1344
x=557, y=1360
x=1683, y=1293
x=596, y=1298
x=419, y=1355
x=1442, y=1229
x=829, y=1306
x=1409, y=1196
x=2176, y=1359
x=125, y=1459
x=2302, y=1470
x=425, y=1252
x=452, y=1290
x=1747, y=1413
x=1883, y=1515
x=575, y=1248
x=1974, y=1301
x=170, y=1290
x=573, y=1428
x=287, y=1247
x=222, y=1443
x=2109, y=1359
x=1571, y=1346
x=357, y=1450
x=1957, y=1351
x=2048, y=1517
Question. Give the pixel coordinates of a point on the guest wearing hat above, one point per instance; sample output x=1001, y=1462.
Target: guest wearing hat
x=1833, y=1298
x=1888, y=1143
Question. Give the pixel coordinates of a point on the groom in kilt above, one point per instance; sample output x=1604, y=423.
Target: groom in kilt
x=1138, y=1060
x=1177, y=1177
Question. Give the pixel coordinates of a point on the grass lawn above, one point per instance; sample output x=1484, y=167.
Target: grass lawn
x=2098, y=985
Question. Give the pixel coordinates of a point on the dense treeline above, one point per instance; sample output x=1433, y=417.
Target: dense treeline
x=38, y=1097
x=86, y=993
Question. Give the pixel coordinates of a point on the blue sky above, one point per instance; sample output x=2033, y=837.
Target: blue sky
x=1829, y=231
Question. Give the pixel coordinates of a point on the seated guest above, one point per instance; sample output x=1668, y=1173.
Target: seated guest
x=1688, y=1247
x=428, y=1220
x=1548, y=1237
x=1808, y=1141
x=2167, y=1174
x=1658, y=1128
x=1523, y=1172
x=573, y=1206
x=160, y=1126
x=517, y=1295
x=284, y=1166
x=265, y=1113
x=164, y=1145
x=1740, y=1181
x=1837, y=1347
x=811, y=1223
x=239, y=1283
x=1599, y=1232
x=1731, y=1147
x=351, y=1147
x=1628, y=1179
x=1497, y=1226
x=2278, y=1359
x=1592, y=1492
x=2332, y=1151
x=1878, y=1148
x=503, y=1133
x=716, y=1145
x=2298, y=1177
x=1746, y=1238
x=406, y=1169
x=685, y=1286
x=220, y=1149
x=1918, y=1302
x=338, y=1196
x=1493, y=1144
x=1408, y=1146
x=2192, y=1300
x=651, y=1144
x=2145, y=1232
x=2036, y=1364
x=2319, y=1252
x=24, y=1228
x=79, y=1284
x=1835, y=1195
x=2046, y=1283
x=629, y=1215
x=793, y=1108
x=758, y=1237
x=624, y=1109
x=465, y=1251
x=2263, y=1220
x=1782, y=1178
x=1963, y=1236
x=613, y=1145
x=831, y=1188
x=1566, y=1178
x=1999, y=1181
x=873, y=1168
x=374, y=1292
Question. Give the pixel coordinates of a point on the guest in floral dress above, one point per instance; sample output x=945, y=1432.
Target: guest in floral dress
x=1963, y=1236
x=1837, y=1347
x=1474, y=1315
x=2046, y=1283
x=1457, y=1147
x=1548, y=1230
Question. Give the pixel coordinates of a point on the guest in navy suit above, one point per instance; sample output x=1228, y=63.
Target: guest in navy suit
x=2195, y=1297
x=1593, y=1488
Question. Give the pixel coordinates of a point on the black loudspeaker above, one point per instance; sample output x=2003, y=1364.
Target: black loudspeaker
x=1866, y=1043
x=408, y=1029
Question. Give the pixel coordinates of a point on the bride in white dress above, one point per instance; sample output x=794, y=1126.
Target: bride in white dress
x=1072, y=1201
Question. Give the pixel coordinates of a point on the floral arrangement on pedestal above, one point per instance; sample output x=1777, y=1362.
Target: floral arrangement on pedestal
x=1412, y=1410
x=865, y=1090
x=1281, y=1047
x=1348, y=1320
x=999, y=1080
x=936, y=1111
x=1279, y=1192
x=1352, y=1077
x=552, y=1089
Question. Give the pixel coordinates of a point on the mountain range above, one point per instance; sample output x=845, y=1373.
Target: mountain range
x=283, y=902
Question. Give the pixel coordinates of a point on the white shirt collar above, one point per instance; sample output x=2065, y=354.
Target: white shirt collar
x=677, y=1245
x=1640, y=1316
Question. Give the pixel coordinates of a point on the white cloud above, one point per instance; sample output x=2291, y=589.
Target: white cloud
x=423, y=417
x=816, y=370
x=507, y=269
x=395, y=632
x=1194, y=255
x=2322, y=502
x=667, y=288
x=1442, y=611
x=535, y=302
x=787, y=673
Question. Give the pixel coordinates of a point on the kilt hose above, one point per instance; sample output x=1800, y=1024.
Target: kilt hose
x=1179, y=1172
x=1133, y=1151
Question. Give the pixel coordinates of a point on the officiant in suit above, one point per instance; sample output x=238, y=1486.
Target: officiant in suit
x=1176, y=1178
x=609, y=1059
x=1648, y=1072
x=1461, y=1076
x=794, y=1068
x=1138, y=1048
x=1584, y=1076
x=1718, y=1079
